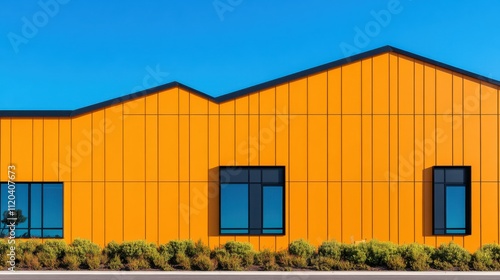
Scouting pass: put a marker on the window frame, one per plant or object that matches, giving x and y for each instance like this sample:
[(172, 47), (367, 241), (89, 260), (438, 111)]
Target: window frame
[(29, 228), (281, 183), (468, 199)]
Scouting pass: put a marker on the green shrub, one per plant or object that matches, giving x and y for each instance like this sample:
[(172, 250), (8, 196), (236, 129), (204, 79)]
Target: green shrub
[(26, 254), (330, 249), (136, 249), (200, 249), (85, 252), (59, 247), (202, 262), (136, 264), (229, 262), (146, 254), (93, 262), (343, 265), (450, 256), (218, 252), (417, 257), (487, 258), (323, 263), (266, 259), (243, 250), (51, 253), (299, 262), (71, 262), (301, 248), (354, 253), (27, 247), (112, 249), (183, 261), (161, 262), (175, 247), (48, 259), (396, 262), (4, 247), (284, 260), (115, 263), (238, 248), (378, 253), (30, 261)]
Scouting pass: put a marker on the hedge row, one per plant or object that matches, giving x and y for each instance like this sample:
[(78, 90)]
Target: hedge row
[(187, 255)]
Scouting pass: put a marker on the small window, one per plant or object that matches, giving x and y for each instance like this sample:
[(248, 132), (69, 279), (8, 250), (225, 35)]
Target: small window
[(38, 208), (252, 200), (452, 200)]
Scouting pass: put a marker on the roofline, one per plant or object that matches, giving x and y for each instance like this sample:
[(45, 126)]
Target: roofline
[(245, 91)]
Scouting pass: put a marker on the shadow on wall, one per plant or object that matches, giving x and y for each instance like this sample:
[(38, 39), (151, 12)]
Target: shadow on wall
[(427, 201), (213, 201)]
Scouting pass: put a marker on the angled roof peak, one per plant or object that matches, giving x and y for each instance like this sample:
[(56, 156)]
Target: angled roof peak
[(248, 90)]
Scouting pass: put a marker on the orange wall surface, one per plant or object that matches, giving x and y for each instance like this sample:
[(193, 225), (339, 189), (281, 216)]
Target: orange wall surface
[(358, 143)]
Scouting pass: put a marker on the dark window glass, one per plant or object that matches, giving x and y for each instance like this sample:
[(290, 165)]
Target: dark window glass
[(252, 200), (273, 207), (52, 205), (455, 209), (38, 209), (452, 200), (234, 207)]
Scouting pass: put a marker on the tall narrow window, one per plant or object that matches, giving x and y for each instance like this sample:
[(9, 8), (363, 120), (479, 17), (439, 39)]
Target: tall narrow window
[(452, 200), (37, 208), (252, 200)]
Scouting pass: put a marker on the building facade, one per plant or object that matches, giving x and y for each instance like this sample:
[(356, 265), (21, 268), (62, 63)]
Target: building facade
[(383, 145)]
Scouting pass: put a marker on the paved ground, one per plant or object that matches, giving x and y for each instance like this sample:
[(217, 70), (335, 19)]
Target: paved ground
[(46, 275)]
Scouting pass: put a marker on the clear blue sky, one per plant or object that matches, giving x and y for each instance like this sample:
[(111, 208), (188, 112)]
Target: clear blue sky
[(78, 52)]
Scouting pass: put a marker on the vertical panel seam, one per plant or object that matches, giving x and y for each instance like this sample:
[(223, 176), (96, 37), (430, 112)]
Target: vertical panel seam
[(463, 139), (435, 128), (71, 178), (480, 165), (123, 170), (371, 135), (275, 156), (178, 164), (145, 172), (189, 164), (104, 175), (92, 181), (361, 142), (423, 151), (389, 137), (327, 161), (307, 158), (288, 162), (414, 162), (158, 168), (452, 130), (341, 154), (399, 150)]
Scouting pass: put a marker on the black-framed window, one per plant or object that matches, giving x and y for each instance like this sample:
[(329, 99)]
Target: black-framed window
[(38, 209), (451, 200), (252, 200)]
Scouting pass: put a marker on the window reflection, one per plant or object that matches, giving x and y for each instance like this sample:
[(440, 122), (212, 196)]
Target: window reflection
[(38, 209)]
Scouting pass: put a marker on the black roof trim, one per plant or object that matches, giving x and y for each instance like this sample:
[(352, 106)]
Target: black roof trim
[(248, 90)]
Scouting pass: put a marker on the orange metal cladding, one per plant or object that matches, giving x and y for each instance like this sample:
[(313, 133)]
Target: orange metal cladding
[(357, 141)]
